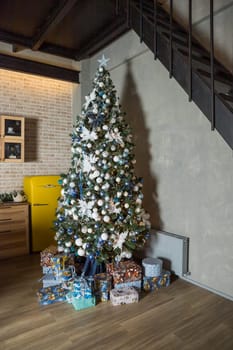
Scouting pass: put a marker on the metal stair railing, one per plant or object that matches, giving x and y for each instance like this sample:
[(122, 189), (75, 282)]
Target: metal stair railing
[(207, 82)]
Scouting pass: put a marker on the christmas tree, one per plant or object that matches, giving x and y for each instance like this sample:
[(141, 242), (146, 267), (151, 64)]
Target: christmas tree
[(100, 214)]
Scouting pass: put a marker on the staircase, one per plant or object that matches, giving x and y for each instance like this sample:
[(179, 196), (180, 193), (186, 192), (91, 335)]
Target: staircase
[(207, 82)]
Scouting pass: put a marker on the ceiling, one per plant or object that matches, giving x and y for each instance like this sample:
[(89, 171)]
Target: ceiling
[(73, 29)]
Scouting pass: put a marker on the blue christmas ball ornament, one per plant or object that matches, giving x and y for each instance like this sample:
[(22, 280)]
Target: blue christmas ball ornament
[(56, 223), (61, 218), (147, 235), (69, 230), (120, 217), (96, 225)]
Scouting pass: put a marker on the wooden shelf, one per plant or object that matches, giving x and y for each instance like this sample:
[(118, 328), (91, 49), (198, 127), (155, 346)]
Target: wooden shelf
[(12, 139)]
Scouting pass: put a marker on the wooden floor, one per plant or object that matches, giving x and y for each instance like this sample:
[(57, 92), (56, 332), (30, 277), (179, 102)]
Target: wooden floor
[(181, 316)]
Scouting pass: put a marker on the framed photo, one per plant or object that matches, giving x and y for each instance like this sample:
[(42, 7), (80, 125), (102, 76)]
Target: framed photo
[(13, 150), (13, 127)]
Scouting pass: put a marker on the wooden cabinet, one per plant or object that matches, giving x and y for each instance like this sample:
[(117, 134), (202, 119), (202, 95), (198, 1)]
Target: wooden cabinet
[(12, 139), (14, 229)]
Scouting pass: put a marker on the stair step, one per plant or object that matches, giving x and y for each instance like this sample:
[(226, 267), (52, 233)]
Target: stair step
[(219, 76), (227, 97)]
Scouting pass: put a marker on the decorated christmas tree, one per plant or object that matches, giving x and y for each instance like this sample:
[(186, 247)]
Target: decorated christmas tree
[(100, 214)]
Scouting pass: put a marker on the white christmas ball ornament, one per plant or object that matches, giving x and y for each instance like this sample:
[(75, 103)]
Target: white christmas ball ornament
[(125, 193), (60, 249), (101, 84), (104, 236), (116, 159), (89, 230), (105, 154), (107, 101), (68, 244), (137, 210), (105, 127), (100, 202), (106, 218), (128, 255), (89, 145), (101, 69), (97, 152), (96, 188), (116, 129), (106, 186), (96, 173), (99, 180), (126, 205), (84, 245), (118, 179), (72, 184), (88, 193), (119, 194), (84, 229), (79, 242), (136, 188), (81, 252), (64, 181)]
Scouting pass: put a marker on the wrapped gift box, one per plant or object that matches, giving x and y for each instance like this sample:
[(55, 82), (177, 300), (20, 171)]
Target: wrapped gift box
[(83, 287), (126, 295), (82, 295), (152, 267), (46, 255), (124, 271), (80, 303), (51, 295), (135, 284), (153, 283), (50, 280), (102, 285)]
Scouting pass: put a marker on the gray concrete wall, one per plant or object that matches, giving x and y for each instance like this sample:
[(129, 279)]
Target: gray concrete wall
[(187, 169)]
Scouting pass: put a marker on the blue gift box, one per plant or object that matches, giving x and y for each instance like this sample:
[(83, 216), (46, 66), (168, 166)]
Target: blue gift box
[(135, 284), (83, 287), (153, 283), (51, 295)]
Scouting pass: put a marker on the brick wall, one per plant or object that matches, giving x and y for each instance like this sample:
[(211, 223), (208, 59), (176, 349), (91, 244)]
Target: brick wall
[(46, 105)]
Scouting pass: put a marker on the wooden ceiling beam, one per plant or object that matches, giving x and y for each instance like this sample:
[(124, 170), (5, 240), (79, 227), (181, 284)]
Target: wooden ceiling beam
[(54, 18), (16, 39), (32, 67)]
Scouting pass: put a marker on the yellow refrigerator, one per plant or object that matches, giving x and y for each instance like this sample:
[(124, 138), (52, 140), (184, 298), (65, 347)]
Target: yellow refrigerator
[(42, 194)]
